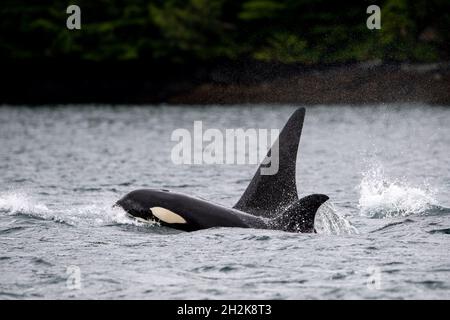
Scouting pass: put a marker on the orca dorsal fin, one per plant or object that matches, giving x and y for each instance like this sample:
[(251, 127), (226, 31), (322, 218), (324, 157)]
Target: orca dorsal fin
[(266, 194)]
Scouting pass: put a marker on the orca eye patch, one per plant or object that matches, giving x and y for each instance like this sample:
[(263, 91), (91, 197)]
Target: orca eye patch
[(167, 216)]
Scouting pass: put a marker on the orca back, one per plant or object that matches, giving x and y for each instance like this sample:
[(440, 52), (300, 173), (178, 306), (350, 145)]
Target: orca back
[(300, 215)]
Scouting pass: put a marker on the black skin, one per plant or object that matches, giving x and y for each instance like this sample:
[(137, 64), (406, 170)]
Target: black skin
[(269, 202), (299, 216), (200, 214)]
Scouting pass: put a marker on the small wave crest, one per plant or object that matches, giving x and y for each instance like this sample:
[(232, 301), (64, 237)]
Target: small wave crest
[(16, 203), (21, 204), (383, 197), (329, 221)]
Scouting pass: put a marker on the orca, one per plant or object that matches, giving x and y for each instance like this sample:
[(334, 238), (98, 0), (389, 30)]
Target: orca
[(269, 202)]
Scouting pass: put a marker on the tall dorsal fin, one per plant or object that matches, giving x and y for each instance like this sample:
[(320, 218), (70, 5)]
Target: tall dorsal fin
[(268, 193)]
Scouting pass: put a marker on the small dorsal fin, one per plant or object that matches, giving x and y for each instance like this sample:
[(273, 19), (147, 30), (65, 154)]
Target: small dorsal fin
[(266, 194)]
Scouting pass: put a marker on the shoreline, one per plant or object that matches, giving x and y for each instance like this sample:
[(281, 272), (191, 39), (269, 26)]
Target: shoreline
[(226, 84), (354, 84)]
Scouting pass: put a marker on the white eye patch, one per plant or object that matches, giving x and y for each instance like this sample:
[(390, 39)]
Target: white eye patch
[(167, 216)]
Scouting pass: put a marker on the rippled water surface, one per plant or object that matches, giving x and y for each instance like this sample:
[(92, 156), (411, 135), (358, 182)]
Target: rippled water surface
[(385, 235)]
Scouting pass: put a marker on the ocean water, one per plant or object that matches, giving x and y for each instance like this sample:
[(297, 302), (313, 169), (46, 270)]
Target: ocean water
[(384, 235)]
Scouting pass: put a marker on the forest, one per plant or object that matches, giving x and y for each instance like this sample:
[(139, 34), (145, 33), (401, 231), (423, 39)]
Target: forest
[(305, 32)]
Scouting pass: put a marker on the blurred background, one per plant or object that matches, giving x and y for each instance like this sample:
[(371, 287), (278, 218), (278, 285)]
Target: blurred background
[(224, 51)]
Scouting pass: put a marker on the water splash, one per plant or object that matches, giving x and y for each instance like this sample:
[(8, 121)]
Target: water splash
[(21, 204), (329, 221), (383, 197)]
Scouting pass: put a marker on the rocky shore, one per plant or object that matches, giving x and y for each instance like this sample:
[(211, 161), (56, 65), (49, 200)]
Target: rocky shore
[(352, 84), (359, 83)]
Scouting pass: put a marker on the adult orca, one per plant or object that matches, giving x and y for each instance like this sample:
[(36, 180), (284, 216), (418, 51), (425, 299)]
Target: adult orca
[(269, 202)]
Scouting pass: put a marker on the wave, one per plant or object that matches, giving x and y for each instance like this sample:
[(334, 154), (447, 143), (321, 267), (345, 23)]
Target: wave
[(442, 231), (391, 225), (18, 203), (383, 197)]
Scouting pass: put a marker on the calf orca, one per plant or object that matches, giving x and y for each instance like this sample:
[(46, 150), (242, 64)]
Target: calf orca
[(269, 202)]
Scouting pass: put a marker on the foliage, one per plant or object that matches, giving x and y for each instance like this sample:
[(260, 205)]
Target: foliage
[(197, 31)]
